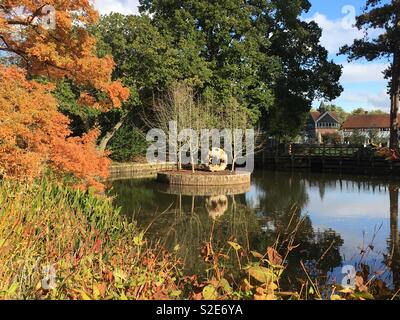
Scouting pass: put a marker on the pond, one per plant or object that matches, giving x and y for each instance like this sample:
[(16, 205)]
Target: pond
[(327, 220)]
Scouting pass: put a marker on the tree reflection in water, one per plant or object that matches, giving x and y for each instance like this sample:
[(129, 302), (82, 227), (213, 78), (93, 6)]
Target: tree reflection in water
[(393, 257), (188, 221), (284, 222), (185, 218)]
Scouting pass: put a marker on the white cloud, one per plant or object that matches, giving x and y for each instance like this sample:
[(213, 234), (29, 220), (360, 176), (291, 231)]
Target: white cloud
[(335, 33), (352, 204), (366, 99), (357, 72), (339, 32), (120, 6), (380, 100), (364, 84)]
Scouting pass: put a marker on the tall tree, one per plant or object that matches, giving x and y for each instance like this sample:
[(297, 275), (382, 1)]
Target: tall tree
[(260, 52), (382, 15), (223, 35), (146, 61), (145, 57), (306, 73), (34, 136), (34, 130), (65, 51)]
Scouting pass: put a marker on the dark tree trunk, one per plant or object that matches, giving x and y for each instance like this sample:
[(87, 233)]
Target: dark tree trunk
[(107, 137), (394, 140), (395, 90)]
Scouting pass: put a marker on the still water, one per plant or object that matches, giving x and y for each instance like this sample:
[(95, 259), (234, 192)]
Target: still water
[(328, 220)]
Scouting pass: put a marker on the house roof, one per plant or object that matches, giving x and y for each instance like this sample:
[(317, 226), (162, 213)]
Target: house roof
[(368, 121), (316, 115), (333, 115)]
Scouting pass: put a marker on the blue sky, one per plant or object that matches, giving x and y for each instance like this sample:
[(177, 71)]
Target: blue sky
[(363, 81)]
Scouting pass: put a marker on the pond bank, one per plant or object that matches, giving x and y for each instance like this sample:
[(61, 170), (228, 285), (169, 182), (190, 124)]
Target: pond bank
[(133, 170), (200, 178)]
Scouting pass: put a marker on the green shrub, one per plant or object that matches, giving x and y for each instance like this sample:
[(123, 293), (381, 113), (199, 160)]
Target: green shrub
[(127, 144), (331, 138)]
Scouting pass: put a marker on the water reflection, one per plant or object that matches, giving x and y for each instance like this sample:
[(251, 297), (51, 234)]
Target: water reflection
[(216, 206), (325, 220), (393, 257)]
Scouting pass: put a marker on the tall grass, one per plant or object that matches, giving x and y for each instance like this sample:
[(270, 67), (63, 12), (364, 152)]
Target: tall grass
[(61, 243)]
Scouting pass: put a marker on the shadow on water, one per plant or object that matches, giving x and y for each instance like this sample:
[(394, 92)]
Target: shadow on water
[(392, 259), (326, 221)]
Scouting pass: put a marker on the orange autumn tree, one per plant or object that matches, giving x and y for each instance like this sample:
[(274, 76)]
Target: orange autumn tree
[(33, 133), (63, 50)]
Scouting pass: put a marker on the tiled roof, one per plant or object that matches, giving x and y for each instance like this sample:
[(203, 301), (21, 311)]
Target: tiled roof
[(333, 115), (315, 115), (368, 121)]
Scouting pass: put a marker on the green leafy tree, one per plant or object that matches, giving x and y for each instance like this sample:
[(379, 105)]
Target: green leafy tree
[(127, 144), (259, 52), (360, 111), (82, 119), (231, 45), (147, 61), (307, 73), (146, 58), (383, 15)]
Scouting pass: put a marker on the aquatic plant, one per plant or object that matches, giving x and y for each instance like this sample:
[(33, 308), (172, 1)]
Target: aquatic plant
[(61, 243)]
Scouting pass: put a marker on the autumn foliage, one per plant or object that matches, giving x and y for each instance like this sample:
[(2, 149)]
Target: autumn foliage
[(68, 50), (33, 134)]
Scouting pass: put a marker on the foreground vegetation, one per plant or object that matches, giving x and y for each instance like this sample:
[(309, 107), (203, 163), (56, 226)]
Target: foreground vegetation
[(94, 252), (61, 243)]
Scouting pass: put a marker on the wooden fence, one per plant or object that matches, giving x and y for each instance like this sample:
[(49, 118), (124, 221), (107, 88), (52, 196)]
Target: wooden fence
[(347, 158)]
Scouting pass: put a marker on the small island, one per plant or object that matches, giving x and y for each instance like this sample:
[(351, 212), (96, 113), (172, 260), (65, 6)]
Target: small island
[(204, 178), (213, 173)]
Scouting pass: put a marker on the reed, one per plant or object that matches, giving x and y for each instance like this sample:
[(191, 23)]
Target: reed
[(60, 243)]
